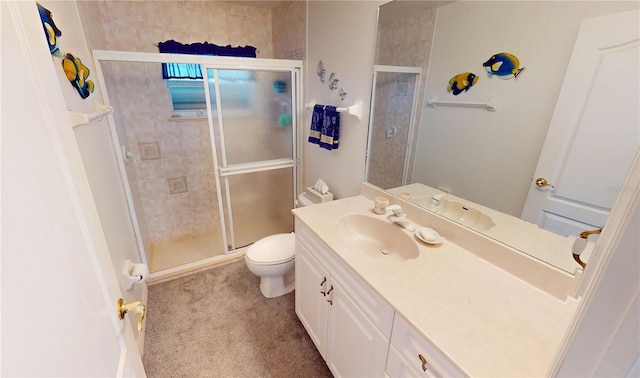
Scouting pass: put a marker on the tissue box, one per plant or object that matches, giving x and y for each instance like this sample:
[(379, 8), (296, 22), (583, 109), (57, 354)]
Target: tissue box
[(317, 197)]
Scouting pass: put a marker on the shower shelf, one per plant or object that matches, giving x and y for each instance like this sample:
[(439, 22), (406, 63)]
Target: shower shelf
[(354, 110), (84, 118), (490, 105)]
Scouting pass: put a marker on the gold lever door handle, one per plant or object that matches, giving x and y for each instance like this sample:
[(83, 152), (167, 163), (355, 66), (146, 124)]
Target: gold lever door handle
[(134, 307), (542, 182)]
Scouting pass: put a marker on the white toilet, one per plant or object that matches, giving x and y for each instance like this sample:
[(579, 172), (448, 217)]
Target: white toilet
[(272, 259)]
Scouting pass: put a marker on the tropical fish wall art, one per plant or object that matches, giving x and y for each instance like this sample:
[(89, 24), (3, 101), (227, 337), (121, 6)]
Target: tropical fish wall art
[(51, 31), (503, 65), (462, 82), (77, 74)]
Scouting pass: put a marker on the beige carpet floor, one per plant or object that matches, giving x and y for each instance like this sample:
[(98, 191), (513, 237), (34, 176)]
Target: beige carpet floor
[(215, 323)]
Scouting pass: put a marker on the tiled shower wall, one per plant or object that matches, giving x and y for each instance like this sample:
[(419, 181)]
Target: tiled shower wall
[(395, 49), (171, 172), (289, 28)]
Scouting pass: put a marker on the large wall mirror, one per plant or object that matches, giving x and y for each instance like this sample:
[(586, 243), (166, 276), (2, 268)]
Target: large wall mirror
[(475, 157)]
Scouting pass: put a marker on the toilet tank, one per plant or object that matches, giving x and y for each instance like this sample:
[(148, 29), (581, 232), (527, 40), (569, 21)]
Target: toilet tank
[(303, 200)]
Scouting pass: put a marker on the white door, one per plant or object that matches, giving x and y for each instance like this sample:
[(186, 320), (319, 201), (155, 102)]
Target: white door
[(594, 133), (59, 288), (100, 157)]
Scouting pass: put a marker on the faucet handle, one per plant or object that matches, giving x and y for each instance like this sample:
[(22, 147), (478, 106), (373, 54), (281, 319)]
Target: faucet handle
[(397, 209)]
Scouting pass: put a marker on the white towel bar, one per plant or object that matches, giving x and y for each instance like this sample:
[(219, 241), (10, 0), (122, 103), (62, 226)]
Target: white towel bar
[(354, 110), (83, 118), (490, 105)]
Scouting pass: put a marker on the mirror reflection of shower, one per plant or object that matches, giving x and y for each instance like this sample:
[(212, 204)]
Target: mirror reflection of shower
[(391, 125)]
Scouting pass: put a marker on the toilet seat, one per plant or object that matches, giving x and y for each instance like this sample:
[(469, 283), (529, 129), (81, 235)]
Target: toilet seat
[(272, 250)]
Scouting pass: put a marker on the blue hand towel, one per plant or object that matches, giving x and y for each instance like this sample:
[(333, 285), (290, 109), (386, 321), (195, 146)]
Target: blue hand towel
[(330, 137), (316, 124)]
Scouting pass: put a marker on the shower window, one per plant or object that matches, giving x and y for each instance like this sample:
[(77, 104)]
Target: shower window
[(188, 95)]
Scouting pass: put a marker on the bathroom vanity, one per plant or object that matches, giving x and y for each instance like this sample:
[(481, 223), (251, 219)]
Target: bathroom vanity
[(469, 306)]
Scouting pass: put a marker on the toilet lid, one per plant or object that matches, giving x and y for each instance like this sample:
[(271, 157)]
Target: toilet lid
[(274, 249)]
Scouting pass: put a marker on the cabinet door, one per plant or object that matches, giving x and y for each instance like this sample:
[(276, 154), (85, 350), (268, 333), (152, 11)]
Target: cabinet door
[(355, 347), (311, 305)]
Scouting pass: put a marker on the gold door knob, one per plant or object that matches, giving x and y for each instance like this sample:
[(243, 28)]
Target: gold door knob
[(134, 307), (542, 182)]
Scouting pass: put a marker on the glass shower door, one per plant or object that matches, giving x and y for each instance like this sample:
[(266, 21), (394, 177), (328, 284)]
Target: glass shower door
[(253, 124)]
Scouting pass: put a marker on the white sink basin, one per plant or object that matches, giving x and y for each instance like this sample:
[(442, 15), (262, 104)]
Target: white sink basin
[(377, 238), (457, 211), (465, 215)]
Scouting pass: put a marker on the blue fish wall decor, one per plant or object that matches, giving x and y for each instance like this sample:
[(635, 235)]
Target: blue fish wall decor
[(77, 74), (503, 65), (462, 82), (51, 31)]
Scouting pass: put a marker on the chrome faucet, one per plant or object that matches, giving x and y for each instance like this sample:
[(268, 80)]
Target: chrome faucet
[(398, 217), (435, 202)]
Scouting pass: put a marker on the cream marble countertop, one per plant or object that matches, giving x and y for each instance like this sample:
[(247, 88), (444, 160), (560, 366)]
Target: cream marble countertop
[(485, 319)]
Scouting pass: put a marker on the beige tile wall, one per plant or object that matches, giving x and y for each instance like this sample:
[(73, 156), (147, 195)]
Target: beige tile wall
[(172, 172), (289, 29), (140, 25)]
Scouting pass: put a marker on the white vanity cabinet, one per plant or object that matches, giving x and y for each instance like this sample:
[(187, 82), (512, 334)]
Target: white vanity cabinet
[(349, 323), (412, 355)]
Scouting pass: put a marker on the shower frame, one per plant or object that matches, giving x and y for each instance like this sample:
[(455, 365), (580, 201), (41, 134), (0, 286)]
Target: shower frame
[(214, 62)]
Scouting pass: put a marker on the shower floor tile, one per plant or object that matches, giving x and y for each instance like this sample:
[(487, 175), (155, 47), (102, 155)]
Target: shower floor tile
[(184, 252)]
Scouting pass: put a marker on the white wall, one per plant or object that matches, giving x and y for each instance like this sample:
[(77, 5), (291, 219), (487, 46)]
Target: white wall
[(343, 35), (486, 157)]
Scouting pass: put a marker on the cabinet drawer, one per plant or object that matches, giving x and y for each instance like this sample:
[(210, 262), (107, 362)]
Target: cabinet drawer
[(410, 347), (375, 308), (399, 366)]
